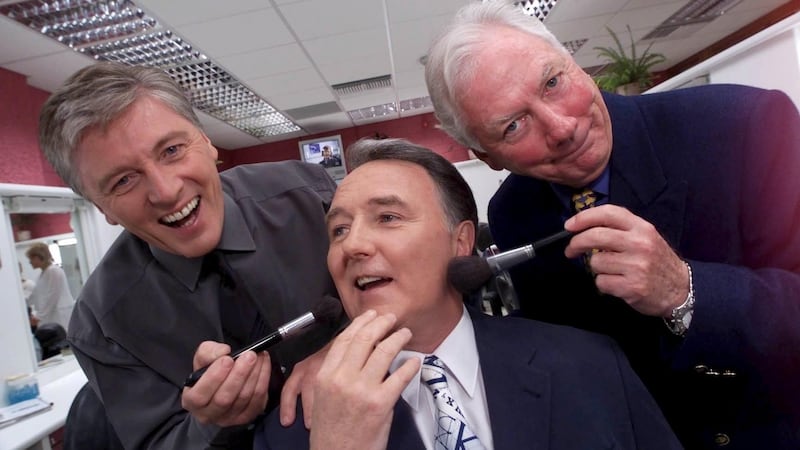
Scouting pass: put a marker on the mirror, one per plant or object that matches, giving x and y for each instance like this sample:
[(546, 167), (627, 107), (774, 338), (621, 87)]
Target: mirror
[(77, 236), (56, 231)]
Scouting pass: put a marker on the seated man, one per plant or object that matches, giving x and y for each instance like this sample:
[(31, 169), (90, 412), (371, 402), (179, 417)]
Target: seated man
[(486, 382)]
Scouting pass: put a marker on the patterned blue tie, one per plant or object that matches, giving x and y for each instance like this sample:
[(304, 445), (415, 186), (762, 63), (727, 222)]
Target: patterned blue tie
[(452, 431)]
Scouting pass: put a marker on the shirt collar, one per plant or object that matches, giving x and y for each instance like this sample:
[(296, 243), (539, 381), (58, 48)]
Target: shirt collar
[(458, 352), (599, 186), (235, 236)]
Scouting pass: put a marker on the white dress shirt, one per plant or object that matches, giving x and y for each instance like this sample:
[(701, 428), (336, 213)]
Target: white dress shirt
[(459, 354)]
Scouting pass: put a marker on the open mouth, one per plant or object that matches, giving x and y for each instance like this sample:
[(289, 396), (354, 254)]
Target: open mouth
[(364, 283), (182, 217)]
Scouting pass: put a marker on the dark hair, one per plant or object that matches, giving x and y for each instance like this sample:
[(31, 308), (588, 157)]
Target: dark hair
[(455, 194)]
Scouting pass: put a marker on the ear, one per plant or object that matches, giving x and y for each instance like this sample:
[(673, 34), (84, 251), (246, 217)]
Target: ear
[(109, 220), (483, 156), (214, 152), (464, 238)]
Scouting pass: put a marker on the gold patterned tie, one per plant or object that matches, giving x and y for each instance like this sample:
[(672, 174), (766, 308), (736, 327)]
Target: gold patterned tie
[(585, 199)]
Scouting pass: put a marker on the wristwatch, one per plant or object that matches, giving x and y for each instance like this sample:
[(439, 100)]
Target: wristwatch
[(678, 322)]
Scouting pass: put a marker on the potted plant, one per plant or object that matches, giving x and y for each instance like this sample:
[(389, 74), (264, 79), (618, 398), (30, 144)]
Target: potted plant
[(626, 74)]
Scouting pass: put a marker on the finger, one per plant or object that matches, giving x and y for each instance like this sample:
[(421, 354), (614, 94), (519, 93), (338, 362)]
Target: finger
[(364, 341), (208, 352), (342, 342), (308, 407), (398, 380), (245, 396), (385, 352), (254, 395), (205, 388), (289, 394), (228, 392), (197, 399), (610, 216)]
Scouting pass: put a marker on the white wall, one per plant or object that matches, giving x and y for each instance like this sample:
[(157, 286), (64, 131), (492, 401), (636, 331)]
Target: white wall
[(769, 59), (483, 180), (773, 64)]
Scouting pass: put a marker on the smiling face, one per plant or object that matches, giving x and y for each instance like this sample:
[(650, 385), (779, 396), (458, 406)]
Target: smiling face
[(153, 172), (390, 246), (535, 111)]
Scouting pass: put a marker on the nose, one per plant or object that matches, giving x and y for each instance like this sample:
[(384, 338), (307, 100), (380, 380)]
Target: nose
[(163, 187), (558, 128), (358, 244)]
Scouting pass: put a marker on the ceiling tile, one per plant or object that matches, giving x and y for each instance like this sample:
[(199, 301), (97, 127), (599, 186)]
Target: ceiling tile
[(184, 12), (298, 99), (20, 42), (49, 72), (317, 18), (327, 122), (264, 62), (287, 83), (237, 34), (581, 9)]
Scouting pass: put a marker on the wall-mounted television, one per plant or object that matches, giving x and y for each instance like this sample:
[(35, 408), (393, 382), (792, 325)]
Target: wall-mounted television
[(326, 151)]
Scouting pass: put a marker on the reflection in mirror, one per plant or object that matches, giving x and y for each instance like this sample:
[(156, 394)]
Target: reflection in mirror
[(47, 250)]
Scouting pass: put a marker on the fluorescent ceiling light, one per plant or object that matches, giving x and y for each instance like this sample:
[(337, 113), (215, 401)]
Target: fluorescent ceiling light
[(117, 30)]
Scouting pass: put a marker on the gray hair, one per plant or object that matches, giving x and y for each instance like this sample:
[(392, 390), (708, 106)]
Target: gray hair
[(455, 194), (93, 97), (450, 59)]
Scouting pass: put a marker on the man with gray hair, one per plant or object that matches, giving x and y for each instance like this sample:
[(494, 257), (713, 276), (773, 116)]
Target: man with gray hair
[(685, 210), (207, 263)]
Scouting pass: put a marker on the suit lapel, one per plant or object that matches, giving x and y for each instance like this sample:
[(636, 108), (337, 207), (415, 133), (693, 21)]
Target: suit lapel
[(638, 181), (517, 394), (404, 434)]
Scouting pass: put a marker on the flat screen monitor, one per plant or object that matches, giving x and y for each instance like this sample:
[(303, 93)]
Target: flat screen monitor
[(326, 151)]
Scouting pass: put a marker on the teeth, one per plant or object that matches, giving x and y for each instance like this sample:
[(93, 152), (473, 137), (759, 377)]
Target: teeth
[(176, 216), (363, 281)]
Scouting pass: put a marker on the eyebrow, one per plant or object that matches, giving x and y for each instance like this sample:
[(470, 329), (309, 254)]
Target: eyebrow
[(103, 183), (497, 122), (387, 200)]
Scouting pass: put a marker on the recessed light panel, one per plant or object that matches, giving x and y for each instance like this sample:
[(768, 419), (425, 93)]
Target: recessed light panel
[(118, 30)]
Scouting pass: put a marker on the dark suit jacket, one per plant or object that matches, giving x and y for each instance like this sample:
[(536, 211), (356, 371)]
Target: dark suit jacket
[(547, 387), (716, 170)]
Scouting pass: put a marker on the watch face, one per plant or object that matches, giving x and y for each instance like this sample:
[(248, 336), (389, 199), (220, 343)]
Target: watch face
[(686, 320)]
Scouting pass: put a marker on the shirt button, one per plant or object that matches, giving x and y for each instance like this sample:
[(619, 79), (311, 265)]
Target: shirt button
[(722, 439)]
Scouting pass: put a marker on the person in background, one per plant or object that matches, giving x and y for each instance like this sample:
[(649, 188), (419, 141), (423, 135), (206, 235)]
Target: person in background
[(207, 263), (27, 285), (50, 298), (395, 222), (329, 159), (690, 257)]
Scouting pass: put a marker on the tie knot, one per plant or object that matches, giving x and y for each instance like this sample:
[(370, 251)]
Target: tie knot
[(433, 370), (584, 199)]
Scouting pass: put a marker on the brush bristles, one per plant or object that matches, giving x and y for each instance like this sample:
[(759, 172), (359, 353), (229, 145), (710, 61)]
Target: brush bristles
[(328, 310), (468, 273)]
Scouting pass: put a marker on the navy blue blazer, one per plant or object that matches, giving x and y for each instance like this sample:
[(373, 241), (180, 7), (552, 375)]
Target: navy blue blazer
[(716, 169), (547, 387)]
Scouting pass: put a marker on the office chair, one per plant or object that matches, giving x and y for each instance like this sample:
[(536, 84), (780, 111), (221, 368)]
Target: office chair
[(87, 426), (52, 338)]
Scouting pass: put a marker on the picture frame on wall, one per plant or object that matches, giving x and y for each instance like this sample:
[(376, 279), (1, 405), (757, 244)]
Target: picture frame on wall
[(326, 151)]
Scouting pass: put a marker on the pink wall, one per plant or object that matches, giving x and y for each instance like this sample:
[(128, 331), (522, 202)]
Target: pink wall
[(419, 129), (22, 161)]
